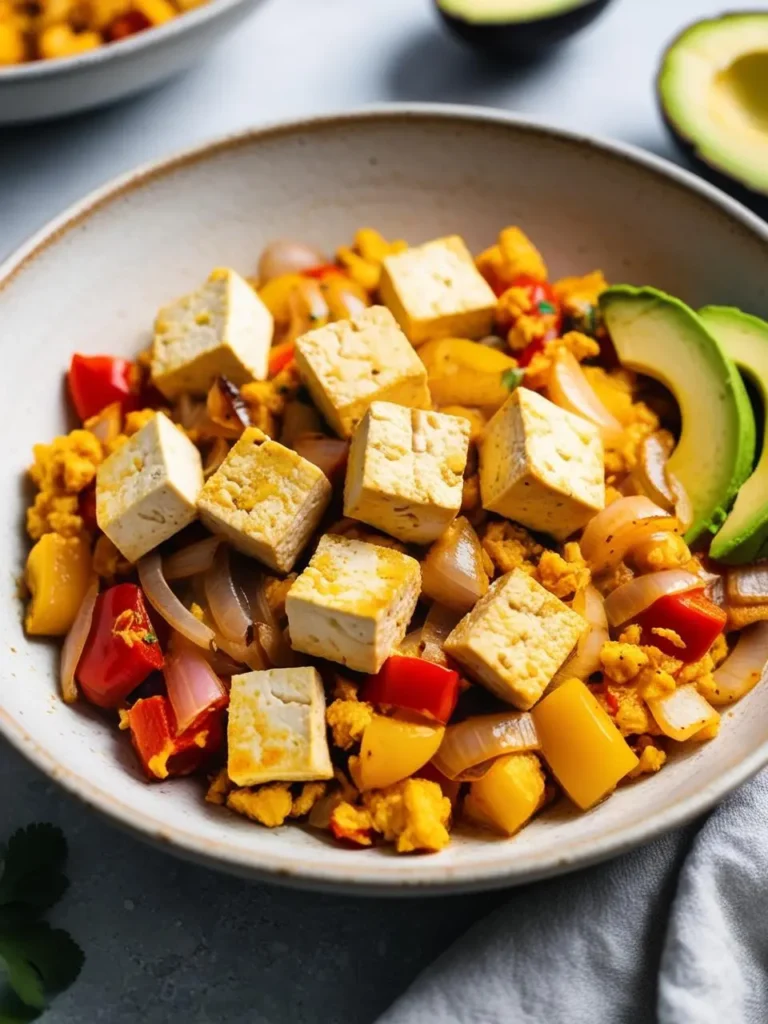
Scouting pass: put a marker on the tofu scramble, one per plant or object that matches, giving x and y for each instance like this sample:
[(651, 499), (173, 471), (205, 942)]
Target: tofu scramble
[(52, 29), (395, 541)]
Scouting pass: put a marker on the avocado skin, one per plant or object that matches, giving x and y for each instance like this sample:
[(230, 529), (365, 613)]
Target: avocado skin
[(711, 519), (744, 535), (522, 38)]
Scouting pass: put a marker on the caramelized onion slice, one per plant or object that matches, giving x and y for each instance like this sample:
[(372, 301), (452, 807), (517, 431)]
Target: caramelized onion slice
[(225, 602), (286, 257), (452, 572), (612, 533), (630, 599), (743, 669), (569, 388), (193, 687), (327, 453), (75, 641), (747, 585), (482, 738), (226, 409), (191, 560), (586, 657), (167, 605)]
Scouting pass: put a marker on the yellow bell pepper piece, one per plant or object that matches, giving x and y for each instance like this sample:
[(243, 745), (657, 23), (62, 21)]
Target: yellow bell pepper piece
[(684, 713), (508, 795), (462, 372), (394, 748), (275, 295), (57, 575), (586, 752)]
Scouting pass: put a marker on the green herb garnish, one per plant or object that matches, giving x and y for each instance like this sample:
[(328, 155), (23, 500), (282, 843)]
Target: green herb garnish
[(512, 378), (150, 638), (546, 307), (36, 961)]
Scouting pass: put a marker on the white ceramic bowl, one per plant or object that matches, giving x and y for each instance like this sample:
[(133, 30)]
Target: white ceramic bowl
[(92, 281), (51, 88)]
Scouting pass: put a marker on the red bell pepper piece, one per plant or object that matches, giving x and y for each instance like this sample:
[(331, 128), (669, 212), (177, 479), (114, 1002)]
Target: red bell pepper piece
[(322, 270), (97, 381), (162, 753), (122, 647), (415, 685), (280, 356), (696, 620)]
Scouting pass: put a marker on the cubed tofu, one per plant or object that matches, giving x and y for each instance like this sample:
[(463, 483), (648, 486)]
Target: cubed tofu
[(515, 638), (348, 364), (541, 466), (222, 329), (265, 499), (277, 727), (436, 291), (147, 490), (353, 602), (405, 471)]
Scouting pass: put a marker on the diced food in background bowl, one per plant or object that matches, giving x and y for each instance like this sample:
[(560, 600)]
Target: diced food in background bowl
[(524, 596)]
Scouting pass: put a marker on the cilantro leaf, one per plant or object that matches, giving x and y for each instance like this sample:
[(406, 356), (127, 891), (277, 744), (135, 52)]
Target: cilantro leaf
[(512, 378), (546, 307), (32, 867), (39, 961)]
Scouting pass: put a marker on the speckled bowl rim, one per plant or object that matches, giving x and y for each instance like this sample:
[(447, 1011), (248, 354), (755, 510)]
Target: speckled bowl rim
[(424, 875), (147, 40)]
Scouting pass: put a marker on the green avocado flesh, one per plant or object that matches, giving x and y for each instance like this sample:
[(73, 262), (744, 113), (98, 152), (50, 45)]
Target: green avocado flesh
[(504, 11), (713, 88), (744, 535), (661, 337)]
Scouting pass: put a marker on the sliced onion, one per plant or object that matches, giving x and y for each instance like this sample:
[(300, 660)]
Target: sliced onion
[(482, 738), (437, 625), (630, 599), (569, 388), (189, 412), (743, 668), (747, 585), (650, 472), (226, 409), (586, 658), (683, 505), (191, 560), (193, 687), (285, 257), (612, 533), (75, 641), (327, 453), (254, 587), (107, 424), (682, 713), (166, 604), (275, 646), (216, 454), (452, 572), (251, 654), (225, 602)]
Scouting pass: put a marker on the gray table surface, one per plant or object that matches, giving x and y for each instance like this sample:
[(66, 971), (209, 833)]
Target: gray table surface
[(166, 941)]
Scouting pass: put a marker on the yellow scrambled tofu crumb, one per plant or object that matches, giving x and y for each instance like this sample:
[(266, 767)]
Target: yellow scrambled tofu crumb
[(511, 547), (352, 823), (696, 671), (622, 662), (107, 560), (270, 805), (669, 634), (54, 513), (581, 347), (578, 294), (60, 471), (265, 400), (344, 688), (627, 709), (277, 591), (718, 652), (197, 611), (652, 758), (563, 575), (513, 255), (362, 261), (348, 720), (134, 421), (219, 788), (414, 814), (631, 634), (666, 552), (310, 793)]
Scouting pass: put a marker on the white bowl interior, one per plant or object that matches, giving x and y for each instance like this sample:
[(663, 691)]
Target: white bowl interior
[(93, 285)]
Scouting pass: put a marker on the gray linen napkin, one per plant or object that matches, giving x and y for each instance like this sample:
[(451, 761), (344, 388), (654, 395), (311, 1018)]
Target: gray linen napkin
[(675, 933)]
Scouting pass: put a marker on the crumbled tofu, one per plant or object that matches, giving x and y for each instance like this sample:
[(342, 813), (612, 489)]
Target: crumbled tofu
[(265, 499), (541, 466), (353, 602), (147, 490), (413, 813), (436, 291), (405, 471), (516, 638), (348, 364), (221, 329), (277, 727)]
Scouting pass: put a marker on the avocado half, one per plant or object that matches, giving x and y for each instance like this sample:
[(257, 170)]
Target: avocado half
[(660, 336), (504, 28), (744, 535), (712, 87)]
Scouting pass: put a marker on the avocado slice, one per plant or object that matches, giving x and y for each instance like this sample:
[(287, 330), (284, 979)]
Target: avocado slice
[(519, 28), (661, 337), (743, 537), (713, 91)]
